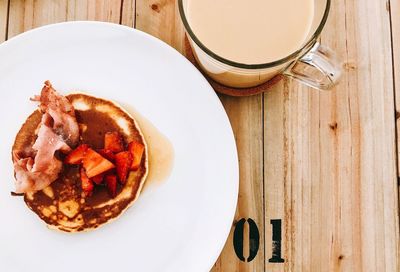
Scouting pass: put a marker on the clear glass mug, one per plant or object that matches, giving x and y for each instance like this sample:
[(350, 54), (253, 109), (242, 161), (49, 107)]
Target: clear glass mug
[(313, 64)]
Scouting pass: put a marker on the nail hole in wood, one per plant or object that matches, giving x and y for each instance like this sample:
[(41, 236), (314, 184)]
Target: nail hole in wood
[(155, 7), (333, 126)]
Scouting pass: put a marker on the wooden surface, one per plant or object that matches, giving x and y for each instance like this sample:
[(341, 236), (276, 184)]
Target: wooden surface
[(324, 163)]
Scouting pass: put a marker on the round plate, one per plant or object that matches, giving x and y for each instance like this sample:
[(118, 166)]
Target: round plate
[(180, 225)]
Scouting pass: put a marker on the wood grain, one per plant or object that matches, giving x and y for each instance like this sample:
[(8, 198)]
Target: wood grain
[(95, 10), (161, 19), (128, 15), (394, 7), (28, 14), (25, 15), (330, 157), (366, 151), (246, 117), (3, 19)]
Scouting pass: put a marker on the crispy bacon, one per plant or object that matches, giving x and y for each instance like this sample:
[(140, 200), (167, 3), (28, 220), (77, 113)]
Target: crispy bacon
[(58, 130)]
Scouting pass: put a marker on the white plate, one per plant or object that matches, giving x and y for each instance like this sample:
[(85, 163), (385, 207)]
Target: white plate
[(180, 225)]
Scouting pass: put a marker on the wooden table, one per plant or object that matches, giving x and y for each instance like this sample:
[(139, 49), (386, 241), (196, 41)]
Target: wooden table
[(324, 165)]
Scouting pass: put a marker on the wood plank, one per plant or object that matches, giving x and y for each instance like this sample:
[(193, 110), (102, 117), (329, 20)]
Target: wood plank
[(330, 157), (95, 10), (3, 19), (161, 19), (394, 8), (370, 134), (128, 13), (28, 14), (246, 117)]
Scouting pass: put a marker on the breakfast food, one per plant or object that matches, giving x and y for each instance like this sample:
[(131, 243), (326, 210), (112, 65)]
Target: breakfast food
[(79, 160)]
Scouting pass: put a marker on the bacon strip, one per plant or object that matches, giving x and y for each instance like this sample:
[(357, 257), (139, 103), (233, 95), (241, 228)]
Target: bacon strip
[(61, 111), (27, 180), (58, 130), (47, 143)]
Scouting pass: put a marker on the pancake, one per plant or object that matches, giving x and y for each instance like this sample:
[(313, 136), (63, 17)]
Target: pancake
[(63, 205)]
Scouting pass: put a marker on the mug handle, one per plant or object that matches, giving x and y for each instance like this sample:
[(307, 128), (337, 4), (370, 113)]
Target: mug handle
[(319, 68)]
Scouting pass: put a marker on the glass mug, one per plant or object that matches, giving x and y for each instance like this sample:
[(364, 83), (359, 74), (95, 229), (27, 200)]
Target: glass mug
[(312, 64)]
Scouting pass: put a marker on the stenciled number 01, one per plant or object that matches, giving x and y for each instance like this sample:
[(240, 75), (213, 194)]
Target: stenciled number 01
[(254, 240)]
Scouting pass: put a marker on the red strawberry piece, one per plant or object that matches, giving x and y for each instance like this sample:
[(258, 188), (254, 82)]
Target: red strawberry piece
[(98, 179), (108, 154), (111, 182), (76, 155), (86, 183), (113, 141), (123, 161), (137, 150), (95, 164)]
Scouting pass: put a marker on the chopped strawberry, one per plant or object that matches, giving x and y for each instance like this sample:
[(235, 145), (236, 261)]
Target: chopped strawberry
[(113, 141), (86, 183), (108, 154), (111, 182), (98, 179), (123, 161), (95, 164), (136, 149), (76, 155)]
